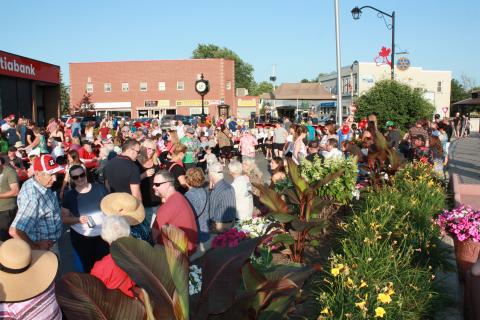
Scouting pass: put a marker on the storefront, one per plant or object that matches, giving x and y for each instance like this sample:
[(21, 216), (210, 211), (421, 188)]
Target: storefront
[(246, 106), (29, 88)]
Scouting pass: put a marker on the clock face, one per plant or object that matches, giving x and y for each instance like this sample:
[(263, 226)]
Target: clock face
[(201, 86)]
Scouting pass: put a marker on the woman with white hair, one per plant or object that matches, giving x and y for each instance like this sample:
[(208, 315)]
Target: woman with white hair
[(243, 191), (113, 228)]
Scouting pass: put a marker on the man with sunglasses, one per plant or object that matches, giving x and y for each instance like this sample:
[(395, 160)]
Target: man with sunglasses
[(38, 220), (175, 210), (121, 172)]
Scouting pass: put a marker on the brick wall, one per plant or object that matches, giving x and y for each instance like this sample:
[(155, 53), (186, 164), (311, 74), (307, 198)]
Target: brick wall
[(217, 71)]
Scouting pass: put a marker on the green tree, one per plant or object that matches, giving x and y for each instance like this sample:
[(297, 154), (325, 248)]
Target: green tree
[(395, 101), (243, 70), (262, 87), (64, 97), (457, 92)]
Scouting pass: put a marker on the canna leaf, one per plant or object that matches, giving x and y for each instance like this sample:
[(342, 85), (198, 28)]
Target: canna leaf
[(272, 199), (282, 217), (82, 296), (298, 181), (284, 238)]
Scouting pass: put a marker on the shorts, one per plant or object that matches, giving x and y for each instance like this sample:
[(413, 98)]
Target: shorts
[(278, 146), (225, 152)]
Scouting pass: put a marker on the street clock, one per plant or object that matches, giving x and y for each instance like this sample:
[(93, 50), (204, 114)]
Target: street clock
[(202, 86)]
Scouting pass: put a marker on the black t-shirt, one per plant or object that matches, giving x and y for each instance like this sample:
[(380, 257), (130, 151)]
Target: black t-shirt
[(149, 198), (121, 172), (29, 132), (177, 170)]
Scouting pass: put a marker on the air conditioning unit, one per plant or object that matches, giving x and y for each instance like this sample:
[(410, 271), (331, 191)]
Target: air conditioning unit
[(241, 92)]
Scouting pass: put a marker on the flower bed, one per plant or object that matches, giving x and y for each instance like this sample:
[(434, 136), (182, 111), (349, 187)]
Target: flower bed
[(388, 252)]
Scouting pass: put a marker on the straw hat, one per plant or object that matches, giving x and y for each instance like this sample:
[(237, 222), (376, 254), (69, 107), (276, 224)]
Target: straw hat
[(125, 205), (24, 273)]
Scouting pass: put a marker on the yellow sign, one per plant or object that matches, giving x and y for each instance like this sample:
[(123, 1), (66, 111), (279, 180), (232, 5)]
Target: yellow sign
[(164, 103), (247, 103), (191, 103)]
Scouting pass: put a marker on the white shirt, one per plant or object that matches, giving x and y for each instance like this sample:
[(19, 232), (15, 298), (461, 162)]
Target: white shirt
[(332, 154), (181, 131), (243, 197)]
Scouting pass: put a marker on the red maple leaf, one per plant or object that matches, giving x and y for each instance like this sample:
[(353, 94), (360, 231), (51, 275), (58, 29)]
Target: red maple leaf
[(385, 52)]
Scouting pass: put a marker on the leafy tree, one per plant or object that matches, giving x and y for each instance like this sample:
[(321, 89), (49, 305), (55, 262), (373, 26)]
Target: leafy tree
[(64, 97), (243, 70), (457, 92), (394, 101), (262, 87)]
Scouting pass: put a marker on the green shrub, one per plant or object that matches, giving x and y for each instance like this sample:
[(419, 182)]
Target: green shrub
[(341, 189)]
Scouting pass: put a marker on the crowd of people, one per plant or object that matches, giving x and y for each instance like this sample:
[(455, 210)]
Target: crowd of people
[(130, 179)]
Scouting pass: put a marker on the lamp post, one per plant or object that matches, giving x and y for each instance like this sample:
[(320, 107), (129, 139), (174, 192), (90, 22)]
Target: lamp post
[(202, 87), (339, 67), (357, 12), (352, 87)]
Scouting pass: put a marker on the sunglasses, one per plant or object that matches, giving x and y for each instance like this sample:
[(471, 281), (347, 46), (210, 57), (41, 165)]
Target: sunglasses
[(158, 184), (82, 175)]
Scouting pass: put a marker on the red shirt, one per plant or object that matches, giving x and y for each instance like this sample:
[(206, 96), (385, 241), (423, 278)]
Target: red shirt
[(86, 155), (104, 132), (112, 276), (177, 212)]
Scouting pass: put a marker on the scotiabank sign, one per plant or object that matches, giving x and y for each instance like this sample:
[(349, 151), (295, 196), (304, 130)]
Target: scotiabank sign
[(20, 67)]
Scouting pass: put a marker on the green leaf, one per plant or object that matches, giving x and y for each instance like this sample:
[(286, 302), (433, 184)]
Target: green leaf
[(147, 267), (253, 281), (298, 181), (277, 308), (327, 179), (292, 196), (282, 217), (284, 238), (175, 243), (317, 230), (82, 296), (272, 199), (221, 277)]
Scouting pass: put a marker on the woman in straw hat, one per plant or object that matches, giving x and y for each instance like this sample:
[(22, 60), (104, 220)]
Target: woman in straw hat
[(113, 228), (26, 278), (125, 205)]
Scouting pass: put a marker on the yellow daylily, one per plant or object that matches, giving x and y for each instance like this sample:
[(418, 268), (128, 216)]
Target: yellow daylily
[(384, 298), (335, 271), (363, 284), (326, 311), (350, 283), (361, 305), (390, 292), (379, 312)]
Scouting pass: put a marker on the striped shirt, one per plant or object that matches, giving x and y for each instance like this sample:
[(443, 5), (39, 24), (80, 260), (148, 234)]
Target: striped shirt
[(38, 212), (42, 307), (222, 202)]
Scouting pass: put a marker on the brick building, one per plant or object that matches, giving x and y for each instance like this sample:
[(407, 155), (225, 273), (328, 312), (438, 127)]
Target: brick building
[(150, 88)]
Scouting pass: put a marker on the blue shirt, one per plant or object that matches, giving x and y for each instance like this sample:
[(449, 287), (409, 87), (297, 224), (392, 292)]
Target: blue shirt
[(38, 212), (222, 203), (198, 199)]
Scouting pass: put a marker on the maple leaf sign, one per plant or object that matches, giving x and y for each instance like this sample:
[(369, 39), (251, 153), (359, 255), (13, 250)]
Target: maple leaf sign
[(385, 52)]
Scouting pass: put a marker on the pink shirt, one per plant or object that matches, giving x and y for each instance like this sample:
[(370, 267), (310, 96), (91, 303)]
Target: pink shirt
[(248, 144)]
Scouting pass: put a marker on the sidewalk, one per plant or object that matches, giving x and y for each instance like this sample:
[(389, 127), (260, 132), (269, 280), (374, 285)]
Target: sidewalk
[(464, 170)]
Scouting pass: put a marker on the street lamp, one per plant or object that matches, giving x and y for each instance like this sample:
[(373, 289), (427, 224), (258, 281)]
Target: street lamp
[(357, 12), (202, 87), (352, 87)]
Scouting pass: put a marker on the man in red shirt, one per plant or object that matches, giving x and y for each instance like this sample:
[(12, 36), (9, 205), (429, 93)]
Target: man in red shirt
[(175, 210), (104, 131)]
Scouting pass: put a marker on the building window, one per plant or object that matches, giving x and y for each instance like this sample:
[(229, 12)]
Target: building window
[(161, 86), (439, 86), (228, 85), (107, 87), (180, 85), (125, 87), (143, 86), (89, 88)]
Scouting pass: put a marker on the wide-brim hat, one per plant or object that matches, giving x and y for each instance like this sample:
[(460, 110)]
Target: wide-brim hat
[(125, 205), (24, 273), (18, 144)]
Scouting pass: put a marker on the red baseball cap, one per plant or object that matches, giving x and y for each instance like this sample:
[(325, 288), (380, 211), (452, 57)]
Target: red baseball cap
[(45, 163), (345, 129)]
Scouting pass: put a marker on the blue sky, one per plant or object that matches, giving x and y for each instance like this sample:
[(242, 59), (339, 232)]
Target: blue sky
[(297, 36)]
